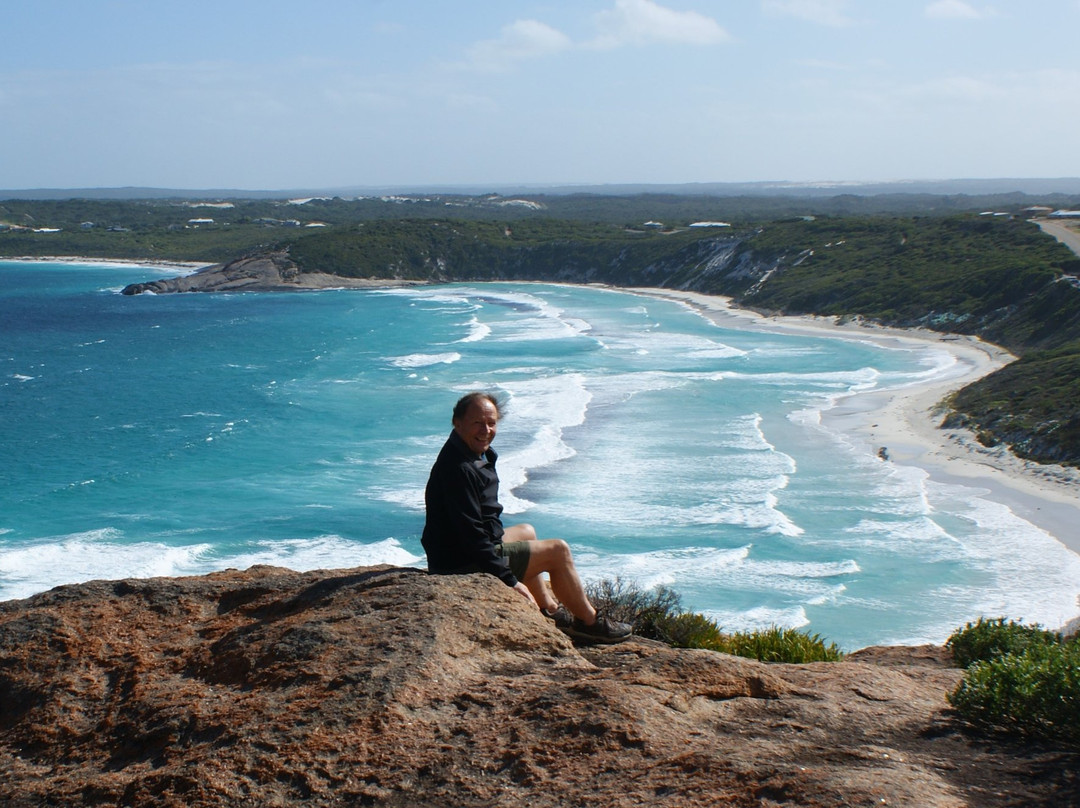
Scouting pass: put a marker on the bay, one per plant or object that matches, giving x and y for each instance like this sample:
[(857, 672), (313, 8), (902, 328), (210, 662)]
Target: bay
[(178, 434)]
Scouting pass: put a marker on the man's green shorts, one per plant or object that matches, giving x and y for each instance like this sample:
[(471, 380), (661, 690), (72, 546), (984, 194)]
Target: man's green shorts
[(517, 553)]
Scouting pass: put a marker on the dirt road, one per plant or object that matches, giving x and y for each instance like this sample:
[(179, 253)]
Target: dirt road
[(1068, 236)]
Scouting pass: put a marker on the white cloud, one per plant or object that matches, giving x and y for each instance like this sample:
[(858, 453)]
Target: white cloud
[(628, 22), (518, 41), (636, 22), (952, 10), (823, 12)]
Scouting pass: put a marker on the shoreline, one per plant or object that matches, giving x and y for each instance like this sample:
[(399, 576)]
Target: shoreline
[(903, 420), (162, 264)]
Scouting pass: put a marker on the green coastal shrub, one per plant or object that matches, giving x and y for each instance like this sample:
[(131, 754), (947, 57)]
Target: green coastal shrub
[(657, 614), (782, 645), (693, 630), (1035, 693), (988, 639), (1021, 679)]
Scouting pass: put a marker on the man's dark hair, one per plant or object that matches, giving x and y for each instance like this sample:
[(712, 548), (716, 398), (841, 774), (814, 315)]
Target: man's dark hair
[(467, 400)]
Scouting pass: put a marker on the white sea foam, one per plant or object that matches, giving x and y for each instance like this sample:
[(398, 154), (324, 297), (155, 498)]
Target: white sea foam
[(851, 380), (87, 556), (686, 347), (624, 386), (456, 297), (1036, 578), (537, 413), (763, 515), (477, 331), (322, 552), (411, 498), (672, 567), (785, 351), (532, 317), (102, 554), (731, 479), (759, 618), (535, 318), (422, 360), (920, 537)]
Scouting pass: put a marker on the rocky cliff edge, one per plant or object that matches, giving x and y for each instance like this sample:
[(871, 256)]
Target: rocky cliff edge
[(266, 272), (386, 686)]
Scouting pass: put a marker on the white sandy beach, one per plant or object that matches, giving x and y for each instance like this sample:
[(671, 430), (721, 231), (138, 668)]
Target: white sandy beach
[(905, 422), (183, 267)]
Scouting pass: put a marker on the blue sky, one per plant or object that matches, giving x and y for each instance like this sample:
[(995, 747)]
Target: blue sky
[(335, 93)]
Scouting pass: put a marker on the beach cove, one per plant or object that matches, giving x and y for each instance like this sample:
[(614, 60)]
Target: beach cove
[(280, 415)]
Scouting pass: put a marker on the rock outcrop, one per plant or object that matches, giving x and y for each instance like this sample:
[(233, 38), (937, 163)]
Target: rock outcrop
[(386, 686), (265, 272)]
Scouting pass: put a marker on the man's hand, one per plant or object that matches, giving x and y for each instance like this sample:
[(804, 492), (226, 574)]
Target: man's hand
[(523, 590)]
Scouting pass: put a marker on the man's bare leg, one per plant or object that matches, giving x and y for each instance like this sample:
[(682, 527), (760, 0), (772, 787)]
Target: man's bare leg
[(553, 556), (537, 584)]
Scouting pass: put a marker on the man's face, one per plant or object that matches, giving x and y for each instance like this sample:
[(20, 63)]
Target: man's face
[(477, 426)]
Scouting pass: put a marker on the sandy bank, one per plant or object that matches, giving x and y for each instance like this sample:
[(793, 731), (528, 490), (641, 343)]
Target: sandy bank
[(164, 265), (905, 421)]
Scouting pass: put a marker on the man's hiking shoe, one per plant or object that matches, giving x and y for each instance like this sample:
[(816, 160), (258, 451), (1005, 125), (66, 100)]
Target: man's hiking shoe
[(604, 630), (561, 617)]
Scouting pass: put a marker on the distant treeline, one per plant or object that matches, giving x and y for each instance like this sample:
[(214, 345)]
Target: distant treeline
[(954, 267)]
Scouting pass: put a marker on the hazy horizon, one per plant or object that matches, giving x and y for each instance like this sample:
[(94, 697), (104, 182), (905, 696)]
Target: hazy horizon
[(1030, 186), (414, 95)]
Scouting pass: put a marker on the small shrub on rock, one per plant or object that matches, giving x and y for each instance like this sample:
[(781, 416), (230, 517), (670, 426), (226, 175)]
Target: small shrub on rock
[(649, 610), (657, 614)]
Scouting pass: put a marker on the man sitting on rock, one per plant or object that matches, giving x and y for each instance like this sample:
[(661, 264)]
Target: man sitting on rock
[(464, 532)]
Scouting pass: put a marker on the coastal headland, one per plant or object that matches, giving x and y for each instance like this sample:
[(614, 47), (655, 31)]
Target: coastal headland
[(387, 686), (271, 272)]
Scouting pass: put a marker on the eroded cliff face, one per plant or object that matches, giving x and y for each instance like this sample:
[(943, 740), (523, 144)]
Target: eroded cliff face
[(265, 272), (386, 686)]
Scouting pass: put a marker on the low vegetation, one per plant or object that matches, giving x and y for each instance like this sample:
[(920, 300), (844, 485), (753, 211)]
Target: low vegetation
[(657, 614), (1019, 679), (1030, 406)]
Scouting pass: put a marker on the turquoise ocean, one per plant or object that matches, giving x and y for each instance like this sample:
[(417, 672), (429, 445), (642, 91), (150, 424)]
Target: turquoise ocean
[(180, 434)]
